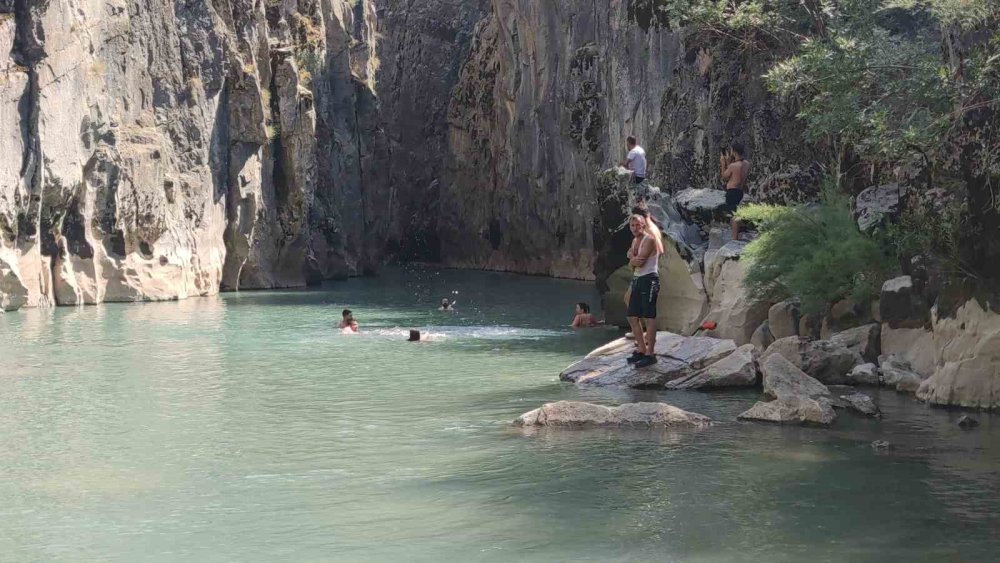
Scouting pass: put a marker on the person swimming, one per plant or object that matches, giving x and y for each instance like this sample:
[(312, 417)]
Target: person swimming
[(583, 318), (347, 323), (446, 306)]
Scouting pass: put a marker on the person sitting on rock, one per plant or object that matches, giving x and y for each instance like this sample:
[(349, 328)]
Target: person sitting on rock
[(734, 170), (644, 291), (446, 306), (635, 160), (347, 323), (583, 318)]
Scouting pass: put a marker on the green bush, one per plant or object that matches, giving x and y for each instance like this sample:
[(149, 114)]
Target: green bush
[(814, 253)]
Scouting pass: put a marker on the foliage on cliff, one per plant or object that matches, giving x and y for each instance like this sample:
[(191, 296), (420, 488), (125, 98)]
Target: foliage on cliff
[(813, 252), (903, 91)]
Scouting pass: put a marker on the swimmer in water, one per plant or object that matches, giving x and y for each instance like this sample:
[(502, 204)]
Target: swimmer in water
[(446, 306), (583, 318), (347, 324)]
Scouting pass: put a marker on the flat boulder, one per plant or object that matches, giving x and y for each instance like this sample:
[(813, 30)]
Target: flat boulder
[(578, 414), (866, 340), (824, 360), (738, 369), (791, 411), (699, 203), (795, 397), (677, 356)]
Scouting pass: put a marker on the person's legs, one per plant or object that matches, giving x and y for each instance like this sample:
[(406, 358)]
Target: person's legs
[(640, 339), (734, 226), (650, 336)]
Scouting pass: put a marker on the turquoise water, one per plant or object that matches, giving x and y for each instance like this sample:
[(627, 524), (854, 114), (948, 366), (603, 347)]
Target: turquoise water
[(245, 427)]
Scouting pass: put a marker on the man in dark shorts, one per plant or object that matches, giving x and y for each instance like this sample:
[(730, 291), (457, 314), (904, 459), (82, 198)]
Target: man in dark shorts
[(644, 259), (734, 170)]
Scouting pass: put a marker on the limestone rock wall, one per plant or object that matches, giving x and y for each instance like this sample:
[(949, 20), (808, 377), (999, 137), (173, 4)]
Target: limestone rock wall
[(546, 98), (159, 149)]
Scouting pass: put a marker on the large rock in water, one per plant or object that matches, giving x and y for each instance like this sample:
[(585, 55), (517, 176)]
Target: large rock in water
[(968, 372), (677, 356), (898, 373), (13, 293), (572, 413), (797, 398), (827, 361), (738, 369)]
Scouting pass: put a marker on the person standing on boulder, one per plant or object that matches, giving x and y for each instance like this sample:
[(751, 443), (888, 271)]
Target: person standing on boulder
[(734, 170), (644, 291), (635, 160)]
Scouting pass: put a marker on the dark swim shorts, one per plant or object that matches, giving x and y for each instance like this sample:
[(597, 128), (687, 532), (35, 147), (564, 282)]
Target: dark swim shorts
[(733, 198), (642, 301)]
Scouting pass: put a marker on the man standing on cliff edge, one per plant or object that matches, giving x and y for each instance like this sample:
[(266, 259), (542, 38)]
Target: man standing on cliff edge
[(635, 160)]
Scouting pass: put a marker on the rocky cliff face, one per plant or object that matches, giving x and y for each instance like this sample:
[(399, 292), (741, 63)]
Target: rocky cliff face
[(546, 99), (160, 149)]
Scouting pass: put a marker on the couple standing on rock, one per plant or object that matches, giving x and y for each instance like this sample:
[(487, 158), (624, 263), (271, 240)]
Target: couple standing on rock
[(644, 257)]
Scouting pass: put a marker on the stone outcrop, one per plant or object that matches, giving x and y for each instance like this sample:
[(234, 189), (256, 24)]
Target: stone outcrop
[(795, 397), (677, 356), (875, 203), (576, 414), (548, 95), (900, 306), (738, 369), (824, 360), (865, 374), (762, 337), (865, 340), (967, 359), (898, 374), (783, 319)]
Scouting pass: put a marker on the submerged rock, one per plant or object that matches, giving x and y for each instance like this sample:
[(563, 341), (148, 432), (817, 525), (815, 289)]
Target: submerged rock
[(881, 446), (573, 413), (677, 356), (967, 422), (797, 398), (827, 361), (738, 369)]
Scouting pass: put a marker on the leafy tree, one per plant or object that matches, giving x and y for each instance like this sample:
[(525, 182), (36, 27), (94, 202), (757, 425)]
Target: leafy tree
[(813, 252)]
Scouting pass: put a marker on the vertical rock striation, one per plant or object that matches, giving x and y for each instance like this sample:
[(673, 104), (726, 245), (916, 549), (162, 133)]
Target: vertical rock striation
[(161, 149), (545, 100)]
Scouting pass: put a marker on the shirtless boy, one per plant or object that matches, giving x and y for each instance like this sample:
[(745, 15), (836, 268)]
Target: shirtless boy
[(734, 170)]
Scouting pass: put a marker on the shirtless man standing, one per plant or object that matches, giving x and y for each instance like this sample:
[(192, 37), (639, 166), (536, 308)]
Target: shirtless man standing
[(734, 170)]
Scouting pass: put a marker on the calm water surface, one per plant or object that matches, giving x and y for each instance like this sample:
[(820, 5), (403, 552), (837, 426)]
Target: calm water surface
[(246, 428)]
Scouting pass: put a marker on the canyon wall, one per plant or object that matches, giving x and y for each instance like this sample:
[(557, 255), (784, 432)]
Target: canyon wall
[(158, 149), (549, 93)]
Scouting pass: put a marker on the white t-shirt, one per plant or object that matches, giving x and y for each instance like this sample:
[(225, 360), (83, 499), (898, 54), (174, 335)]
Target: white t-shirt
[(637, 158)]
